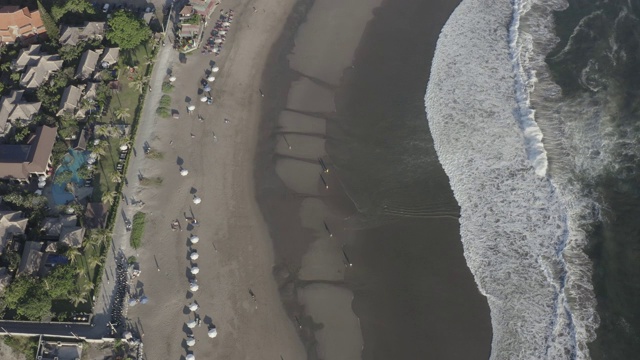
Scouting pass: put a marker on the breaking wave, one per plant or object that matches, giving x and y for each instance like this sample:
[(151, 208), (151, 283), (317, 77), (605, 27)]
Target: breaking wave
[(521, 227)]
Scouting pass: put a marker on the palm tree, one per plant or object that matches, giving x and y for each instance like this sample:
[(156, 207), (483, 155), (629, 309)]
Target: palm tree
[(139, 83), (109, 197), (148, 60), (88, 286), (77, 298), (103, 131), (79, 270), (116, 177), (121, 114), (72, 254), (125, 141), (94, 261), (87, 104), (99, 151)]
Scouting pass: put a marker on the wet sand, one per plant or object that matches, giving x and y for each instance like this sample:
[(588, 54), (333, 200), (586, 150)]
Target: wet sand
[(341, 85)]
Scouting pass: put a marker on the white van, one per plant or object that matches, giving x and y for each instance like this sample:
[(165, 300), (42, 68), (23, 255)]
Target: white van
[(105, 8)]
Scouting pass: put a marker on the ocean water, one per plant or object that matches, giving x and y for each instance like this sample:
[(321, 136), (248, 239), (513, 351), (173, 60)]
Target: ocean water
[(533, 109)]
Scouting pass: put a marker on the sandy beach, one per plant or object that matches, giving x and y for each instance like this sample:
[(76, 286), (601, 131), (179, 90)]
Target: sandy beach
[(235, 250)]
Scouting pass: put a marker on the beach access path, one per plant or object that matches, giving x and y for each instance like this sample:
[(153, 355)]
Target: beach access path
[(236, 254)]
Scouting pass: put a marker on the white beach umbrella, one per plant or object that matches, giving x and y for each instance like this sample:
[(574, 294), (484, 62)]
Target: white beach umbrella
[(226, 23), (191, 107), (190, 357), (38, 192), (184, 172), (96, 141), (213, 332), (203, 99), (195, 270), (132, 302), (172, 79), (207, 88), (194, 286), (69, 210), (197, 200), (217, 41), (42, 184), (42, 178), (191, 324), (215, 69), (223, 32), (194, 255), (194, 239), (127, 335), (211, 78), (191, 341), (123, 147), (193, 306)]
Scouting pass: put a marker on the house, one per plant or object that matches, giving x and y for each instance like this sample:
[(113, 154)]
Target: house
[(186, 12), (19, 25), (27, 57), (203, 7), (31, 261), (88, 64), (11, 224), (109, 57), (72, 236), (96, 215), (36, 75), (14, 110), (19, 162), (83, 139), (70, 101), (90, 94), (52, 227), (188, 30), (72, 35)]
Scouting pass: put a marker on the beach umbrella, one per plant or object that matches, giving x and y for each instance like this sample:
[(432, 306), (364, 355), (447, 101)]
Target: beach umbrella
[(123, 147), (196, 200), (105, 65), (207, 88), (127, 335), (217, 41), (194, 286), (184, 172), (211, 78), (172, 79), (226, 23), (41, 184), (190, 357), (215, 69), (191, 107), (144, 299), (203, 99), (213, 332), (132, 302), (195, 270), (191, 341), (194, 239), (42, 178), (193, 306), (69, 210), (38, 192), (191, 324), (194, 255)]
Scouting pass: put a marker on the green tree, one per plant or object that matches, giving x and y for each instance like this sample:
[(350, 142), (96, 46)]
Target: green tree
[(28, 297), (49, 24), (122, 114), (126, 30), (62, 7), (60, 282), (139, 83), (21, 134), (109, 197), (78, 298), (63, 177), (70, 52), (72, 254), (15, 76), (116, 177)]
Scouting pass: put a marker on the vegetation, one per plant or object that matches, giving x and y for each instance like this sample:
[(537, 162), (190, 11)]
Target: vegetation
[(154, 181), (70, 52), (155, 154), (167, 87), (122, 114), (139, 82), (165, 101), (63, 177), (126, 30), (28, 346), (49, 24), (137, 229), (163, 112), (62, 7), (131, 260)]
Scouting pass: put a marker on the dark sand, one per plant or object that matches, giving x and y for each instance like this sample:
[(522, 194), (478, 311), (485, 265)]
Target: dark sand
[(389, 206)]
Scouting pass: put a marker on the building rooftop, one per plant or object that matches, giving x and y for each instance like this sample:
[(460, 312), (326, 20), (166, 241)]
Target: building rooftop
[(17, 24), (88, 64), (19, 161), (72, 236), (31, 258), (36, 75), (11, 223), (70, 100), (72, 35), (14, 110), (110, 56)]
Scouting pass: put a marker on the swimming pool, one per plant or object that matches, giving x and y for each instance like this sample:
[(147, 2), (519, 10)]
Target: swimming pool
[(72, 161)]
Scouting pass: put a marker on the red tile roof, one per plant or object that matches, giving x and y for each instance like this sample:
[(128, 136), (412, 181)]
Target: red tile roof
[(16, 23)]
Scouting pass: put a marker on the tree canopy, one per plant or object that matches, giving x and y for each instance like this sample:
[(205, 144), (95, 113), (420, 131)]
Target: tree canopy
[(126, 30), (62, 7)]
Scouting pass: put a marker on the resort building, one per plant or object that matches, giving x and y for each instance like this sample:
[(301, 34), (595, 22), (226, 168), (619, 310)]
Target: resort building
[(35, 75), (15, 111), (203, 7), (109, 57), (31, 261), (12, 224), (88, 64), (91, 30), (20, 162), (70, 101), (19, 24), (27, 57)]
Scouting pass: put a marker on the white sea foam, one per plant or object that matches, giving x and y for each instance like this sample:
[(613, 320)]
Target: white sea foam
[(520, 237)]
